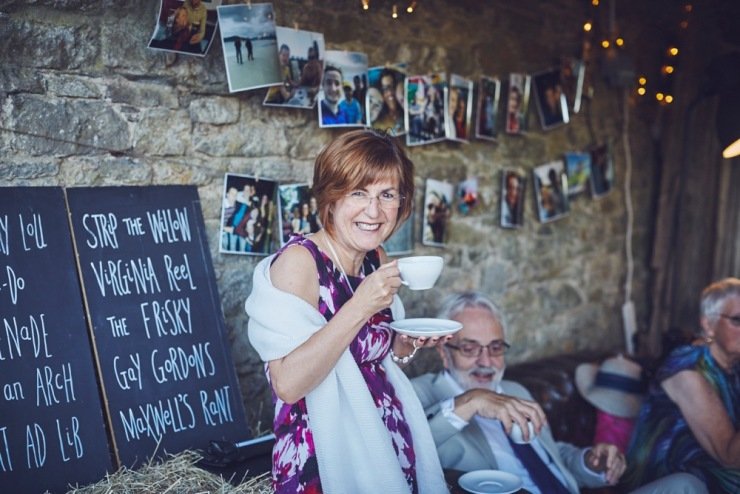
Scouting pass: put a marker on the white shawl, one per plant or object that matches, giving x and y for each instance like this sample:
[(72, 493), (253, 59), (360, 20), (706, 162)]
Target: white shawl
[(353, 447)]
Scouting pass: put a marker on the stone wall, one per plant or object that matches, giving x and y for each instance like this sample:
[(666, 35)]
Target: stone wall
[(83, 102)]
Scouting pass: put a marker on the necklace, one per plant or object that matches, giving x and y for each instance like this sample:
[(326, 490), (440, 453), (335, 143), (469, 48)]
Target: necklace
[(339, 264)]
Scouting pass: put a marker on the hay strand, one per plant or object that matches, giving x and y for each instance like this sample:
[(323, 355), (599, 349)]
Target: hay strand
[(178, 474)]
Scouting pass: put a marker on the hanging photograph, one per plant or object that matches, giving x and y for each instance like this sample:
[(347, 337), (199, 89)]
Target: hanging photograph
[(578, 169), (301, 61), (249, 46), (385, 104), (459, 110), (489, 91), (517, 103), (248, 216), (425, 108), (297, 210), (550, 187), (551, 104), (513, 185), (467, 195), (186, 27), (402, 240), (572, 75), (602, 171), (342, 95), (437, 212)]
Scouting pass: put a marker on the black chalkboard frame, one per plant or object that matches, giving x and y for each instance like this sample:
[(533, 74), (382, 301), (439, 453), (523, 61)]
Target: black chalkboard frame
[(60, 437), (146, 420)]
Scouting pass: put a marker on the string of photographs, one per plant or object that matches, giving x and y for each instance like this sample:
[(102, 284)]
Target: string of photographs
[(299, 72), (260, 215)]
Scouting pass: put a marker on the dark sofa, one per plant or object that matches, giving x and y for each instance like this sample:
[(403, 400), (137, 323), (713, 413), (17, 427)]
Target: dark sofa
[(552, 384)]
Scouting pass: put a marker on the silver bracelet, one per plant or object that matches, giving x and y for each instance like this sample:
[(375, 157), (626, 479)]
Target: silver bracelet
[(406, 359)]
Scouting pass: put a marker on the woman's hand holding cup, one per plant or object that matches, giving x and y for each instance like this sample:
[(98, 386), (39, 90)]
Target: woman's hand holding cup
[(378, 288)]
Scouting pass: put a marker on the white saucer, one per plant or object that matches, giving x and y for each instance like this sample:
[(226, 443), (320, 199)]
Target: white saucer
[(490, 482), (426, 327)]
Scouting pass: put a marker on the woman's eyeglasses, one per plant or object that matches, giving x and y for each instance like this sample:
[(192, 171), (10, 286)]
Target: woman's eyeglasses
[(387, 200), (734, 320), (495, 348)]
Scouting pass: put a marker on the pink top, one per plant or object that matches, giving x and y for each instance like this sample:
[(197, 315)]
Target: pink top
[(613, 430)]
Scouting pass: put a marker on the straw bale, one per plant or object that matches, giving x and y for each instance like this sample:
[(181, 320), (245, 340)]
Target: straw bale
[(178, 474)]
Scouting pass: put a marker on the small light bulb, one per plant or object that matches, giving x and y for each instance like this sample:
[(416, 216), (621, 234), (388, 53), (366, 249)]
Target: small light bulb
[(688, 7), (619, 41), (595, 3), (605, 43), (642, 80), (684, 24), (659, 96), (365, 4), (668, 98), (673, 51), (395, 12), (668, 69), (641, 91), (587, 26)]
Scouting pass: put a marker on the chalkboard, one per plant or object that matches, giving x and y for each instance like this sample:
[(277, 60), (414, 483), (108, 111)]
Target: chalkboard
[(52, 430), (167, 375)]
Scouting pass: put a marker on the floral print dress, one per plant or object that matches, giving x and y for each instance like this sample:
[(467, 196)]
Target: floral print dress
[(294, 465)]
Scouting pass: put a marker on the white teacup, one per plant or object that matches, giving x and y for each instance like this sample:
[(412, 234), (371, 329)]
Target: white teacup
[(517, 435), (420, 272)]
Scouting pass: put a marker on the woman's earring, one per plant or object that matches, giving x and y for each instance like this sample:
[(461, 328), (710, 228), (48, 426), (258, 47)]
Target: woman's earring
[(708, 340)]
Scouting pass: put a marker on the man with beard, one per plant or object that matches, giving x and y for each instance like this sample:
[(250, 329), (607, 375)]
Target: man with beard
[(471, 410)]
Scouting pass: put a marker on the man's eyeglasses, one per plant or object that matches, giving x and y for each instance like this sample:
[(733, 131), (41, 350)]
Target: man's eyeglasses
[(496, 348), (734, 320), (385, 88), (386, 200)]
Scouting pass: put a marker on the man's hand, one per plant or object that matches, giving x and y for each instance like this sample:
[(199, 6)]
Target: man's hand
[(507, 409), (606, 458)]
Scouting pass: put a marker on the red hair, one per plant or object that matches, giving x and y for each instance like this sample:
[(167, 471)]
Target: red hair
[(357, 159)]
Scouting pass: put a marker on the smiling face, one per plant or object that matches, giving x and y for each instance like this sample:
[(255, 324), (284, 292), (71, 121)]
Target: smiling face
[(388, 87), (284, 56), (332, 86), (231, 195), (362, 228), (375, 103), (370, 163), (480, 327)]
